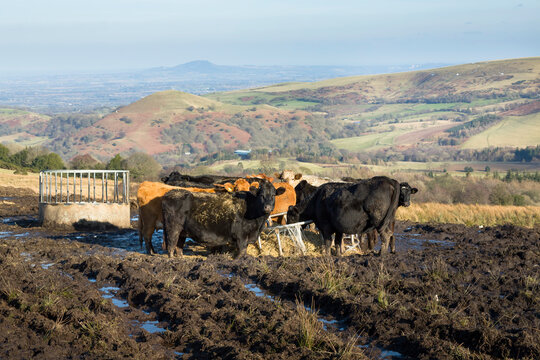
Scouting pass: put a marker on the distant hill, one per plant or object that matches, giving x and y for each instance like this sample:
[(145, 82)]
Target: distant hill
[(84, 92), (400, 116), (22, 127), (409, 109), (173, 123)]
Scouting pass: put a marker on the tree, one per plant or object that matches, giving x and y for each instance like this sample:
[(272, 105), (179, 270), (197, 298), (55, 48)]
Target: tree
[(20, 158), (116, 163), (50, 161), (85, 161), (4, 153), (142, 166)]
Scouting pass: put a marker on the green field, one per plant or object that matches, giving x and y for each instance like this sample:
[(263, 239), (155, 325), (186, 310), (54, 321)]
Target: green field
[(518, 131)]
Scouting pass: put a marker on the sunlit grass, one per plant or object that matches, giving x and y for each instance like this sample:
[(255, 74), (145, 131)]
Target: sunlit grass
[(471, 215)]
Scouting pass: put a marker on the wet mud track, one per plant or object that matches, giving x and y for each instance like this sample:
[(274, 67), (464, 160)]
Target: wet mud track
[(449, 292)]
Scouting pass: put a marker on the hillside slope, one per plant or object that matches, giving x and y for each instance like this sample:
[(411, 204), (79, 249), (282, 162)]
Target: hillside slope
[(175, 123), (446, 106)]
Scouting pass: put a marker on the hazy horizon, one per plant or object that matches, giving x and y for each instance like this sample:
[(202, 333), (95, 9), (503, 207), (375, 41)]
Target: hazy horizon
[(61, 36)]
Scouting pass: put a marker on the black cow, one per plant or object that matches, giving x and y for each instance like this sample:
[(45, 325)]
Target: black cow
[(303, 191), (217, 219), (338, 208), (202, 181)]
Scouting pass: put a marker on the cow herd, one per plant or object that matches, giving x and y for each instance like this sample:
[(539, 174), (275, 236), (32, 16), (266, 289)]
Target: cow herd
[(219, 211)]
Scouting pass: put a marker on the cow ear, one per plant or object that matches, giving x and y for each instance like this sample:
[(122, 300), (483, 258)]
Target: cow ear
[(293, 210), (280, 191), (414, 190), (219, 188), (241, 194), (297, 176)]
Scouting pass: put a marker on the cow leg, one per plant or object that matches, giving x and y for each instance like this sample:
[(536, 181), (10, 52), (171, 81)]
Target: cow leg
[(385, 240), (179, 251), (339, 244), (363, 242), (147, 235), (372, 239), (392, 238), (327, 237), (241, 246)]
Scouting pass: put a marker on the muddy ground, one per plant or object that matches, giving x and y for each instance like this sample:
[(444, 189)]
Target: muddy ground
[(450, 292)]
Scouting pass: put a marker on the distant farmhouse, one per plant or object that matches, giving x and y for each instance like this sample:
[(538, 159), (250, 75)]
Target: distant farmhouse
[(244, 154)]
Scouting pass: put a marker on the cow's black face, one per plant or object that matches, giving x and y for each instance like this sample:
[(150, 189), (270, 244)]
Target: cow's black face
[(405, 192), (259, 202), (293, 215), (266, 197)]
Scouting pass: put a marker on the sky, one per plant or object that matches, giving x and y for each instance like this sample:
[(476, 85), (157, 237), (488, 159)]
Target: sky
[(59, 36)]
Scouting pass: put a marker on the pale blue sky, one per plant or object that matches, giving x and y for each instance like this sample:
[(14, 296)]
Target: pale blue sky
[(74, 35)]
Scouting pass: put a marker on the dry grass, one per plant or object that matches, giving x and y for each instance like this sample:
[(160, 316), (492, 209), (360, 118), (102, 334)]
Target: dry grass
[(30, 181), (471, 215)]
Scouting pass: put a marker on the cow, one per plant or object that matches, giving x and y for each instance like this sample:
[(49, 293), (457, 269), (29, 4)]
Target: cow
[(354, 209), (202, 181), (217, 219), (286, 198), (149, 196), (294, 178)]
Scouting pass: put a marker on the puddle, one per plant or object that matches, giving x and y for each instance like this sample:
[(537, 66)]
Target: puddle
[(389, 354), (121, 241), (21, 235), (383, 353), (258, 291), (120, 303), (107, 291), (337, 324), (445, 243), (6, 220), (67, 275), (92, 280), (151, 327), (6, 234), (46, 266), (135, 218), (4, 198)]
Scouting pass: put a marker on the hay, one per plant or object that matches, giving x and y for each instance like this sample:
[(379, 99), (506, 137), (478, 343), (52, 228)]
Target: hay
[(313, 241), (220, 209)]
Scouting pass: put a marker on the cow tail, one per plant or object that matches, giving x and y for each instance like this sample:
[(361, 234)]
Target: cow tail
[(390, 214)]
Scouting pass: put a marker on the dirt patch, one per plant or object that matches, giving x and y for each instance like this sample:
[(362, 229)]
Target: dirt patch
[(449, 292)]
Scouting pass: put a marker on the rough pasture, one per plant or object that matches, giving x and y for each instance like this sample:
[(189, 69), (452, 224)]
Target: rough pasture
[(449, 292)]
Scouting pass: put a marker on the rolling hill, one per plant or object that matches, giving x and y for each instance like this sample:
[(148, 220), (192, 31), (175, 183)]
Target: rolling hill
[(415, 108), (176, 123), (471, 106)]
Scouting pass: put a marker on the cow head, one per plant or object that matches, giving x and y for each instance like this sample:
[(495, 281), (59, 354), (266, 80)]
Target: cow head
[(260, 201), (293, 215), (405, 192)]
